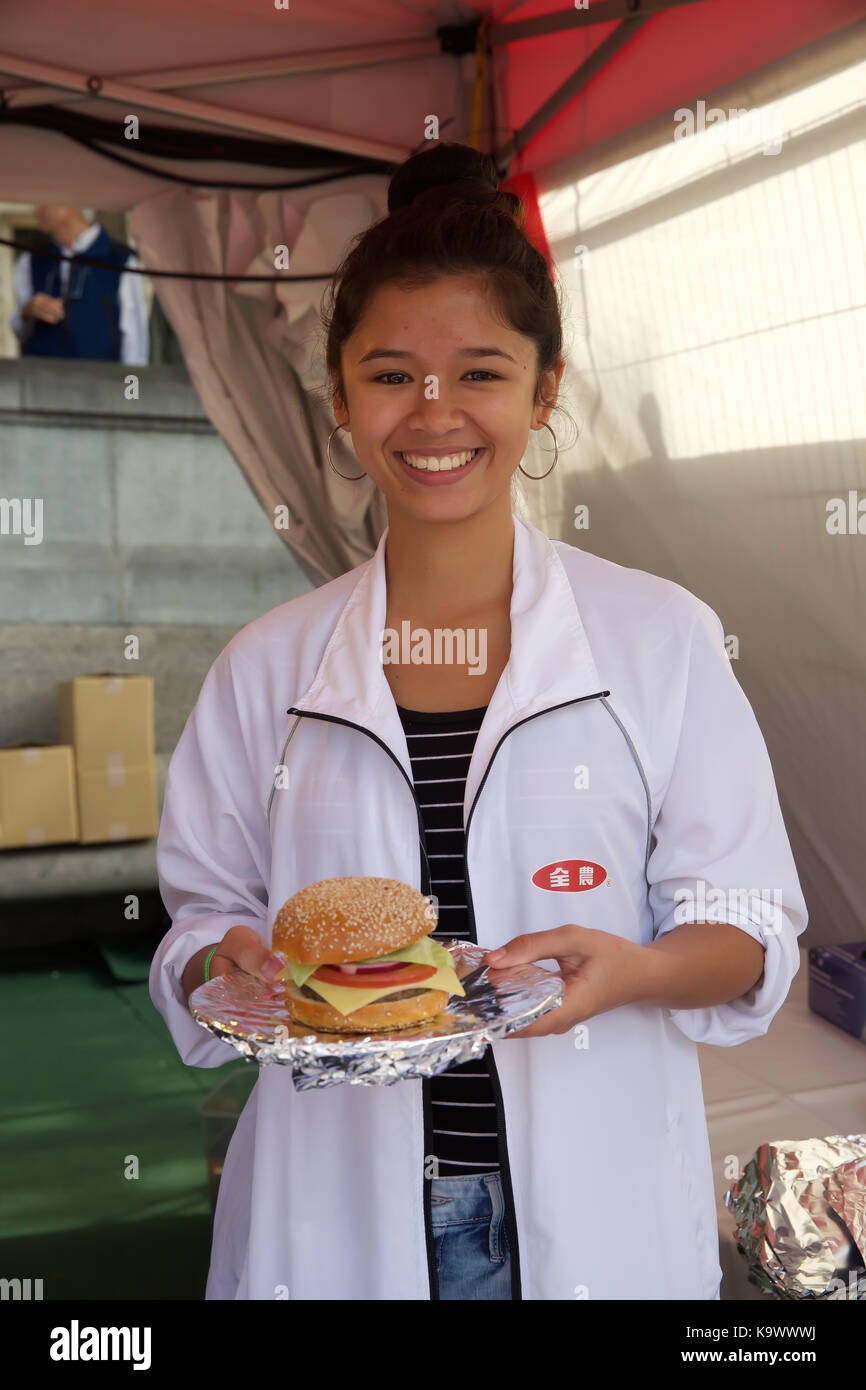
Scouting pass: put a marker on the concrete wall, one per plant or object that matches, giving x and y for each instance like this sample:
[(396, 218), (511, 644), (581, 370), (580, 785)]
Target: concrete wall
[(149, 527)]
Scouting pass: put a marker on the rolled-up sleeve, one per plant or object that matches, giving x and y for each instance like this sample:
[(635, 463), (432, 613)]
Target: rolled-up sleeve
[(22, 287), (720, 851), (213, 854)]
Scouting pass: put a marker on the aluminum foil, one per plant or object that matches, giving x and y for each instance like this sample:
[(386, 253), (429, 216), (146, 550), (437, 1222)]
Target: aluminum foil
[(252, 1016), (800, 1216)]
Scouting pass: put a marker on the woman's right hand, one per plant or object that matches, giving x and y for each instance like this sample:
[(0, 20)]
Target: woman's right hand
[(242, 948)]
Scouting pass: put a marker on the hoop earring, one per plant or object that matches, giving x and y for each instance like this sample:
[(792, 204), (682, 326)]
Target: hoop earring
[(347, 477), (536, 477)]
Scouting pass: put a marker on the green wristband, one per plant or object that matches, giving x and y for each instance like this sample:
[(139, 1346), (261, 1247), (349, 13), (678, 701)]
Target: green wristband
[(207, 962)]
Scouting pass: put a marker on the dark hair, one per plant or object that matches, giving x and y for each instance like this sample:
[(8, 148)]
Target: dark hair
[(448, 216)]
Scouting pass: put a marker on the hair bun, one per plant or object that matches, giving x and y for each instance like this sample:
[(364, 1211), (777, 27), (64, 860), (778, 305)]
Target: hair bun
[(467, 173)]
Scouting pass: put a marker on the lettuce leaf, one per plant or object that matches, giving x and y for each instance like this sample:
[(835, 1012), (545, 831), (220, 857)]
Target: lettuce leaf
[(422, 952)]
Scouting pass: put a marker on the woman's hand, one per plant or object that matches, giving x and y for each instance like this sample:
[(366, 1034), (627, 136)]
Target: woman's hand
[(242, 948), (600, 972)]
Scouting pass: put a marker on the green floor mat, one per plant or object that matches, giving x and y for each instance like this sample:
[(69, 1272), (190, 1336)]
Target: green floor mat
[(128, 958), (97, 1093)]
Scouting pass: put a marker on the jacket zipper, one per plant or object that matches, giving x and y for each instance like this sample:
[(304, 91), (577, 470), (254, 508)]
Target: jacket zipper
[(335, 719), (502, 1146)]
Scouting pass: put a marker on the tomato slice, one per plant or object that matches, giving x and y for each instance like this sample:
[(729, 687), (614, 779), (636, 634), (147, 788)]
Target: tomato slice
[(407, 974)]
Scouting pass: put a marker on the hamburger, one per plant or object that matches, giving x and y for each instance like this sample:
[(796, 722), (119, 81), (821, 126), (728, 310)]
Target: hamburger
[(360, 958)]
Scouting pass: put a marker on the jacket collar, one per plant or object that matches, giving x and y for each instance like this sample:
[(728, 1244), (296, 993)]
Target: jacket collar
[(550, 663), (82, 242)]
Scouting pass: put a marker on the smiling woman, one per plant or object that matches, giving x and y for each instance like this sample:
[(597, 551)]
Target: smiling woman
[(460, 779), (444, 348)]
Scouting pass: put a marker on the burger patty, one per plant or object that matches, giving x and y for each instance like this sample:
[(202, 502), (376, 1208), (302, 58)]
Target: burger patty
[(400, 994)]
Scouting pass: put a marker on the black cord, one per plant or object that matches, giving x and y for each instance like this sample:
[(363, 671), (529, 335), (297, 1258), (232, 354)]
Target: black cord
[(90, 142), (204, 183), (216, 183), (168, 143), (93, 146)]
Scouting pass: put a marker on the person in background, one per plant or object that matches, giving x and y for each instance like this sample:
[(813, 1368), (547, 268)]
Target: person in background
[(69, 310)]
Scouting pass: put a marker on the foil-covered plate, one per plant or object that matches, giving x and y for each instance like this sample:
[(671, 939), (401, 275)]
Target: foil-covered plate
[(800, 1216), (252, 1016)]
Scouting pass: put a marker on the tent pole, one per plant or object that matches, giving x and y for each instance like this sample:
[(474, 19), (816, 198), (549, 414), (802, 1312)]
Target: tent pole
[(622, 35), (598, 12), (246, 70), (134, 97), (759, 87)]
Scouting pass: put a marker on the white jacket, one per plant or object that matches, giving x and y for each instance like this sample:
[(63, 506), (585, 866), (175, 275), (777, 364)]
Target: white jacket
[(605, 1156)]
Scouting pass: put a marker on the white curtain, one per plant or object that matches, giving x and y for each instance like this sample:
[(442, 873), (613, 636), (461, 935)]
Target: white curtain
[(717, 322), (255, 352)]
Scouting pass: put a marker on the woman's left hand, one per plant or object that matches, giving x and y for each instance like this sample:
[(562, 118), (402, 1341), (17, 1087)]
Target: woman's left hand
[(600, 972)]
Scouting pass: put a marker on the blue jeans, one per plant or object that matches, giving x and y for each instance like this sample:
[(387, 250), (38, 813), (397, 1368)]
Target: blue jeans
[(472, 1254)]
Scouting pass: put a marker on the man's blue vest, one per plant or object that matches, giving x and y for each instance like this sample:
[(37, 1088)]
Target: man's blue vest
[(91, 328)]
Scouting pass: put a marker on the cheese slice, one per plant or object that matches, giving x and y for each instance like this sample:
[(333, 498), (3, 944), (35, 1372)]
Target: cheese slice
[(425, 951), (346, 999)]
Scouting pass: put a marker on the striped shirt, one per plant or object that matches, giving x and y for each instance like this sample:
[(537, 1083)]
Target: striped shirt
[(463, 1103)]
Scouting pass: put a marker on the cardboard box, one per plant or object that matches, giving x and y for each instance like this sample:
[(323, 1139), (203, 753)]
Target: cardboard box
[(108, 720), (119, 804), (837, 985), (38, 804)]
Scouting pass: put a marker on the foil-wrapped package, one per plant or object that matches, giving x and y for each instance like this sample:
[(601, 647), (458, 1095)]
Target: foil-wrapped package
[(800, 1216), (253, 1016)]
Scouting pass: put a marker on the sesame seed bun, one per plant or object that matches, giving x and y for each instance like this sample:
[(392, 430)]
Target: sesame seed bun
[(339, 920)]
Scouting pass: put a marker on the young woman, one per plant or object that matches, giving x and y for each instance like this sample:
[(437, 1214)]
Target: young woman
[(587, 789)]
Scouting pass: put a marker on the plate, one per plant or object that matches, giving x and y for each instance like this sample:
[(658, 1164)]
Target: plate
[(252, 1016)]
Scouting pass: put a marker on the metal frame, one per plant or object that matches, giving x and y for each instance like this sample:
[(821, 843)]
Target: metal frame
[(153, 90), (597, 12), (244, 70), (788, 73), (622, 35), (633, 14), (132, 95)]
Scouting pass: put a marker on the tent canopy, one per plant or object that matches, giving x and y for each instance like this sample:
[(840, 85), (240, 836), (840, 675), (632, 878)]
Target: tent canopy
[(227, 93), (715, 292)]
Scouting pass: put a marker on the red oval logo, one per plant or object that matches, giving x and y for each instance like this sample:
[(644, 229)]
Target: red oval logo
[(570, 876)]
